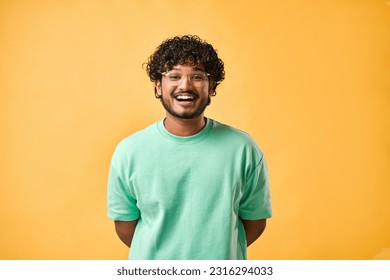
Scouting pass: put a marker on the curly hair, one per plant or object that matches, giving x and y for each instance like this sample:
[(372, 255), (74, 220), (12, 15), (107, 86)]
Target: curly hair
[(187, 49)]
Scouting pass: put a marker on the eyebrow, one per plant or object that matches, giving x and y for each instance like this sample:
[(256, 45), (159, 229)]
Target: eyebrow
[(194, 68)]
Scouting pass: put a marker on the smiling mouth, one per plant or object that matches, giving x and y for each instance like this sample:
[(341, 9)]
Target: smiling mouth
[(184, 97)]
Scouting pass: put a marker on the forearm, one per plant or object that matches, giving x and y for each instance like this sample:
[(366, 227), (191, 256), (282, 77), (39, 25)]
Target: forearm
[(125, 231), (253, 229)]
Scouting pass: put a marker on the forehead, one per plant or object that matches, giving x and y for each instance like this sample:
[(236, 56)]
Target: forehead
[(187, 67)]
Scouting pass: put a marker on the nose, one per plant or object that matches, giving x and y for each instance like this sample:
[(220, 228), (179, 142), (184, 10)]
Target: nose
[(185, 82)]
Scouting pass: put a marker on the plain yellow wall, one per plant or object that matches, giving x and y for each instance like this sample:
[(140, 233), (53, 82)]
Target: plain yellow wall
[(309, 80)]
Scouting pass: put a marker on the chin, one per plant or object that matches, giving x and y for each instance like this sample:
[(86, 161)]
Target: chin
[(186, 116)]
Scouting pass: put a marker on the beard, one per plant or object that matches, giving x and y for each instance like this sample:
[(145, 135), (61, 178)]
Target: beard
[(185, 115)]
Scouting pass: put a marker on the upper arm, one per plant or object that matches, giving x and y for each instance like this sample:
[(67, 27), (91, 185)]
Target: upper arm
[(253, 229), (125, 230), (121, 202), (255, 203), (255, 225)]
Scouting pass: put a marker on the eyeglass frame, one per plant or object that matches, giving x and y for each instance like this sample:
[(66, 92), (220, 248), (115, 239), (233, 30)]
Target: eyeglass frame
[(188, 77)]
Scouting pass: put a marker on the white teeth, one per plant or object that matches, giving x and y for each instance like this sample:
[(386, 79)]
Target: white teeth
[(184, 97)]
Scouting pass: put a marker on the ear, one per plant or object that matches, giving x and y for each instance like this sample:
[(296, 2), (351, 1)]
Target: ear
[(157, 86), (211, 88)]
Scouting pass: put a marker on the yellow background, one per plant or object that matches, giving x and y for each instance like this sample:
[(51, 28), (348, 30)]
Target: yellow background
[(309, 80)]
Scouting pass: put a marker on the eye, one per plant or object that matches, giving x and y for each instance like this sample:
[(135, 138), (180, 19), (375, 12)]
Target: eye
[(197, 77), (174, 76)]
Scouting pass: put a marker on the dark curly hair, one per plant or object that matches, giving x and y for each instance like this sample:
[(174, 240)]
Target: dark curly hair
[(187, 49)]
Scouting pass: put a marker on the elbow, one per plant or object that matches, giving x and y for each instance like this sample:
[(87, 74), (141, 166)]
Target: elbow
[(263, 226), (254, 229), (260, 228), (125, 231)]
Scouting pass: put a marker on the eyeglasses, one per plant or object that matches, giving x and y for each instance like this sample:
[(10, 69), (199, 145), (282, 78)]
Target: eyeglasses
[(197, 78)]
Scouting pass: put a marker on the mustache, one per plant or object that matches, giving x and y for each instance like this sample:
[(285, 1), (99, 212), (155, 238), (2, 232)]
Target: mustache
[(187, 92)]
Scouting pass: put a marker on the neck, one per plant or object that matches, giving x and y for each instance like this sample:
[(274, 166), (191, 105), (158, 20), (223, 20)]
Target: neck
[(184, 127)]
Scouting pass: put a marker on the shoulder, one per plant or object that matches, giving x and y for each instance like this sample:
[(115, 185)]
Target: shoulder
[(137, 140), (232, 134), (235, 139)]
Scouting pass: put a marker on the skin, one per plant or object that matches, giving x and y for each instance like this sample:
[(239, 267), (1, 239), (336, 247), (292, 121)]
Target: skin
[(125, 230), (253, 229), (186, 119)]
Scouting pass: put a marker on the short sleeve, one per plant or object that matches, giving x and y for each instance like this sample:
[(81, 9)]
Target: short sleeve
[(122, 206), (256, 200)]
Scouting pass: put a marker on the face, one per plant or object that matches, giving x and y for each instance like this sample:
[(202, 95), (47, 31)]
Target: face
[(185, 98)]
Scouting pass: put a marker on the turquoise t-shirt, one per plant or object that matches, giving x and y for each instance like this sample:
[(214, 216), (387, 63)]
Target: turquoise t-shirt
[(189, 193)]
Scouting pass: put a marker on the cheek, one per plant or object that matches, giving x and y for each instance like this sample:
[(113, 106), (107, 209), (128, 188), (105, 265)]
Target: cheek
[(166, 93)]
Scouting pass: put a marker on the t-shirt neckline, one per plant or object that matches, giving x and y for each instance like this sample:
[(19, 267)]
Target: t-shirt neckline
[(201, 135)]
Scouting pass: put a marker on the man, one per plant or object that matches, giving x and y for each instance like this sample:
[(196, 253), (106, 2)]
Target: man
[(188, 187)]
